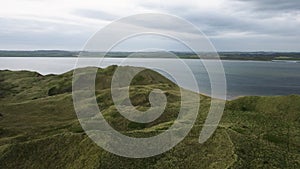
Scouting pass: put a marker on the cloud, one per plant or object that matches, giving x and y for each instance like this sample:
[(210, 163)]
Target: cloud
[(230, 20), (29, 34), (231, 24), (274, 5), (95, 14)]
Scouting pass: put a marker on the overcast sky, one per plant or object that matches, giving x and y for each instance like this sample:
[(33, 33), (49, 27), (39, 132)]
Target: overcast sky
[(231, 25)]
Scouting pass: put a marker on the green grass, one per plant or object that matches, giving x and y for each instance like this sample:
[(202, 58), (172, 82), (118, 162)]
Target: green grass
[(39, 127)]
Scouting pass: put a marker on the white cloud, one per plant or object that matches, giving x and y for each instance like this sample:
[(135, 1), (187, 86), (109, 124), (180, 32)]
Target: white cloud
[(54, 22)]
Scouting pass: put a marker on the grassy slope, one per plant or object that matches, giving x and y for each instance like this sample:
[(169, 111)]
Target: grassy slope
[(39, 129)]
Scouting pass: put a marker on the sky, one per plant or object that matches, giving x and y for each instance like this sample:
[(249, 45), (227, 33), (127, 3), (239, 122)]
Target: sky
[(231, 25)]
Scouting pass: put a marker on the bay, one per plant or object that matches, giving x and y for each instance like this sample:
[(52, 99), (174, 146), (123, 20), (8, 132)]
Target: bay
[(262, 78)]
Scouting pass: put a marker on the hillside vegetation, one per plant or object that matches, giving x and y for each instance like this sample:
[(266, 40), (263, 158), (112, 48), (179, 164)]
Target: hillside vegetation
[(39, 127)]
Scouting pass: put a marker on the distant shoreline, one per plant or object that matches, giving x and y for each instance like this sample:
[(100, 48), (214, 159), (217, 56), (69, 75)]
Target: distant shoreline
[(229, 59), (243, 56)]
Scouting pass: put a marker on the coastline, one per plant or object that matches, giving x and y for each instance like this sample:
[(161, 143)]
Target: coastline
[(228, 98)]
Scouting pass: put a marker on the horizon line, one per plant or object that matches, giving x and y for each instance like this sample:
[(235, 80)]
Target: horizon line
[(65, 50)]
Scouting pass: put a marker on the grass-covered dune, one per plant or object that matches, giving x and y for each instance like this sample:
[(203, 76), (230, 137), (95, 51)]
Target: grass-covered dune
[(39, 127)]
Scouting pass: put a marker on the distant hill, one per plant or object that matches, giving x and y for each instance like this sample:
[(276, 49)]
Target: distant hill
[(262, 56), (39, 128), (39, 53)]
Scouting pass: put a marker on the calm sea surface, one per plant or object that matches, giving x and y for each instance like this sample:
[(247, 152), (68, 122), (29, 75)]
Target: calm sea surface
[(243, 77)]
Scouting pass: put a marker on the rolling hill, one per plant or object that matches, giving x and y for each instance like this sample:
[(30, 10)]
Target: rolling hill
[(39, 127)]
